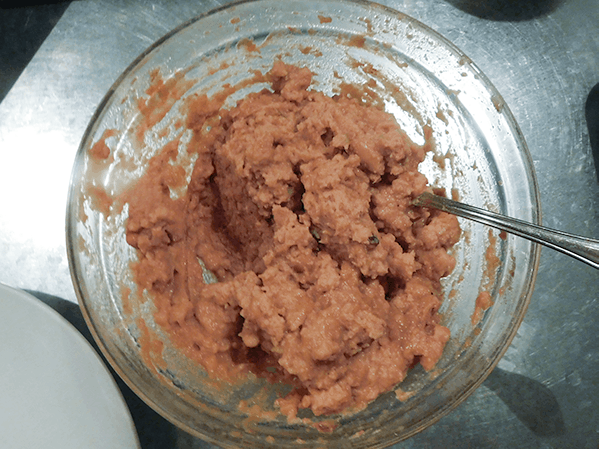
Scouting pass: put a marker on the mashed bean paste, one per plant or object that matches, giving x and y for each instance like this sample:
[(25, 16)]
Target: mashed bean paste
[(299, 205)]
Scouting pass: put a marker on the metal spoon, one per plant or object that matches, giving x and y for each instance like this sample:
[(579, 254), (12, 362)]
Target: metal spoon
[(581, 248)]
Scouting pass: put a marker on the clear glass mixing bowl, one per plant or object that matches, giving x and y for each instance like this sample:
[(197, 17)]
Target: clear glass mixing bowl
[(421, 78)]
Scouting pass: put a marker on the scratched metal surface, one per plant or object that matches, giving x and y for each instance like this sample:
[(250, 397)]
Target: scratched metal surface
[(544, 59)]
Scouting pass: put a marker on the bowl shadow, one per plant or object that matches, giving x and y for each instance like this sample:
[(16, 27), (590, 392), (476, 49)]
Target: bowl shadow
[(531, 402), (592, 119), (507, 10)]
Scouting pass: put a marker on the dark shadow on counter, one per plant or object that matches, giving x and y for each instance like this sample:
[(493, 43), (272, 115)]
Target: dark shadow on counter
[(24, 25), (153, 430), (592, 118), (507, 10), (533, 403)]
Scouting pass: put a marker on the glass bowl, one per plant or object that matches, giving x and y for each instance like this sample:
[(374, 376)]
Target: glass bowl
[(480, 157)]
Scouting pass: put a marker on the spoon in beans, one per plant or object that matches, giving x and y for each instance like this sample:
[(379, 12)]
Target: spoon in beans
[(582, 248)]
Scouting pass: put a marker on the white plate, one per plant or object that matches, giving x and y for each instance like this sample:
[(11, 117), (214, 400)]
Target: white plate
[(55, 391)]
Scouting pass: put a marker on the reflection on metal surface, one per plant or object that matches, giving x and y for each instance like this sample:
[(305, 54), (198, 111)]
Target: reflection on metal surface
[(544, 67)]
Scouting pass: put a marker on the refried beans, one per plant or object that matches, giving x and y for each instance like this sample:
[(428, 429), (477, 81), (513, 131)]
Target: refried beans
[(299, 206)]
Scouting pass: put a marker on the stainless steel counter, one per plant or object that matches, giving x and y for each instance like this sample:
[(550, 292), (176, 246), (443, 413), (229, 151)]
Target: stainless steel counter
[(544, 59)]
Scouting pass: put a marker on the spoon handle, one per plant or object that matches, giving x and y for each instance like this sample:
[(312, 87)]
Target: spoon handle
[(581, 248)]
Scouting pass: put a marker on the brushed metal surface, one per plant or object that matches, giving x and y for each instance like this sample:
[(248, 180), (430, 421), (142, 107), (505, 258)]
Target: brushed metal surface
[(543, 56)]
